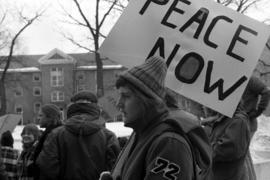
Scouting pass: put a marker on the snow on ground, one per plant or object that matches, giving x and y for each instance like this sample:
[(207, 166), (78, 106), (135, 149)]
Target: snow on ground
[(117, 127), (259, 147), (260, 144)]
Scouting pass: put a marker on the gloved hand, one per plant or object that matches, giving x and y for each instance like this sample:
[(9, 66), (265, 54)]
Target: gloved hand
[(106, 175), (255, 113)]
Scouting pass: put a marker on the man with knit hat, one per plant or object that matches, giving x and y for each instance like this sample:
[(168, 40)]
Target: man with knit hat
[(113, 146), (154, 151), (76, 150)]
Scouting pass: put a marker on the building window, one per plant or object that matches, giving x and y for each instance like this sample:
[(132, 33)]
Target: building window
[(37, 91), (18, 109), (36, 78), (57, 96), (37, 107), (18, 91), (57, 77)]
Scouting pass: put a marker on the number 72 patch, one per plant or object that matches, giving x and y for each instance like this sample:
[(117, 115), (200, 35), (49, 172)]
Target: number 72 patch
[(168, 169)]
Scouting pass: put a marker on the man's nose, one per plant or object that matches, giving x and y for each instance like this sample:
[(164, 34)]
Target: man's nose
[(120, 104)]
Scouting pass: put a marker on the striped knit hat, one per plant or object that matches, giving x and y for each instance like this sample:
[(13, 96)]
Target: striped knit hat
[(149, 77)]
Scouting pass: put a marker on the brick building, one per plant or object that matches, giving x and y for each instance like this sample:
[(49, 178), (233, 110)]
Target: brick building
[(34, 80)]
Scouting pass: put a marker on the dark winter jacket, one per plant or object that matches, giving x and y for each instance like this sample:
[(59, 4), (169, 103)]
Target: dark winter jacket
[(255, 100), (25, 163), (156, 154), (112, 148), (256, 96), (230, 139), (75, 151), (34, 168), (197, 138)]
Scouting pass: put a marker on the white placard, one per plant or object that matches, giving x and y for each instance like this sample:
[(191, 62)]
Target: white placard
[(210, 49)]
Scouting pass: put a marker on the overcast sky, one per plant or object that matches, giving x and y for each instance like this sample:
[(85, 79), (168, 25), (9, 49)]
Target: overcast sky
[(43, 36)]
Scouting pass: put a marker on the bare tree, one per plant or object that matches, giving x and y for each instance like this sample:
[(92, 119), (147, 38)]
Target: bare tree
[(239, 5), (26, 23), (4, 34), (94, 27)]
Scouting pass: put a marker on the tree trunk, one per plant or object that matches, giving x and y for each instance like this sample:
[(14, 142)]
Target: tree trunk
[(3, 108), (99, 74)]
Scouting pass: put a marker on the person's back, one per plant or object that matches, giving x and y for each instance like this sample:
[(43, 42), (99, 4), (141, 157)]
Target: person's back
[(112, 143), (76, 150), (3, 174), (80, 149), (9, 155)]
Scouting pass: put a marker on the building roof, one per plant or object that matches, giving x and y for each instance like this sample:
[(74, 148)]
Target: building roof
[(82, 60)]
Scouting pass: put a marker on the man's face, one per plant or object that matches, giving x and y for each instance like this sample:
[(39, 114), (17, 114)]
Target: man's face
[(43, 120), (130, 106)]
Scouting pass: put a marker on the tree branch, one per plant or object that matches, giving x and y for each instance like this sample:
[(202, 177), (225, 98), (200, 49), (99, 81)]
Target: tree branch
[(108, 12), (264, 63), (264, 73), (28, 23), (3, 18), (71, 39), (245, 8), (119, 6), (268, 46), (77, 22), (84, 18)]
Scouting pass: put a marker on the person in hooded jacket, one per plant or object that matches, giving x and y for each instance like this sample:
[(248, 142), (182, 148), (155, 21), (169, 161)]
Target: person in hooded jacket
[(230, 139), (153, 152), (76, 150), (112, 145)]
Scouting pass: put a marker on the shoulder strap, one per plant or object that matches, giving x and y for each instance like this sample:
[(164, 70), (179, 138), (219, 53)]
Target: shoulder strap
[(167, 127)]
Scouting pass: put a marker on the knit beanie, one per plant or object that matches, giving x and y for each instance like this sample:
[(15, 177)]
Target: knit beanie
[(52, 111), (149, 77), (83, 108), (7, 139), (85, 96)]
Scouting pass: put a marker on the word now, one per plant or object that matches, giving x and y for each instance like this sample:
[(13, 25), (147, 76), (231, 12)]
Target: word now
[(195, 58)]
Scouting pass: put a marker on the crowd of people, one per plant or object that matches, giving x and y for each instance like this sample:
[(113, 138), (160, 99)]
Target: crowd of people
[(78, 147), (167, 142)]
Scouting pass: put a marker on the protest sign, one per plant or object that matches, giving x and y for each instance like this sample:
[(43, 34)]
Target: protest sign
[(9, 122), (210, 50)]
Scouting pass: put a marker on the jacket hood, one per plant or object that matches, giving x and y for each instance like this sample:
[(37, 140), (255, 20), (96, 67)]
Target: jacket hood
[(84, 125), (197, 137)]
